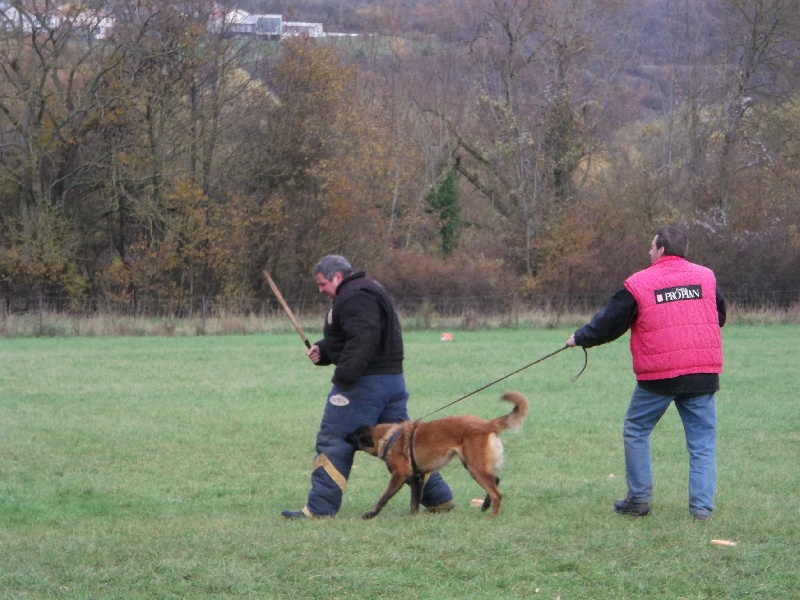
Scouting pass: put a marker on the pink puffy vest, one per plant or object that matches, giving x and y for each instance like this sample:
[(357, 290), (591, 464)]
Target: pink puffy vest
[(677, 331)]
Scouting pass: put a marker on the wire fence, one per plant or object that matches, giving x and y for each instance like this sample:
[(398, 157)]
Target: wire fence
[(446, 306)]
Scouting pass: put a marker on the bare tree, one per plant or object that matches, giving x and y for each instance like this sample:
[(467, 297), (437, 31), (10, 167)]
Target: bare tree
[(760, 62), (52, 73)]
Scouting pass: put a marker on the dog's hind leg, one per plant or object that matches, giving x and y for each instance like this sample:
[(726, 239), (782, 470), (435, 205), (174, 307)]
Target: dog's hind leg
[(489, 482), (487, 502)]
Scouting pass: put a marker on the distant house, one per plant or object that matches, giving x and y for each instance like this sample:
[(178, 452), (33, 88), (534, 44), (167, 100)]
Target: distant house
[(238, 23), (98, 24), (231, 22), (269, 25), (291, 28), (89, 22)]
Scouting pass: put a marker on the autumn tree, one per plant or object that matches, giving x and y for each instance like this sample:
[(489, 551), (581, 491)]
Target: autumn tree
[(760, 62), (51, 76), (538, 94), (319, 167), (182, 104)]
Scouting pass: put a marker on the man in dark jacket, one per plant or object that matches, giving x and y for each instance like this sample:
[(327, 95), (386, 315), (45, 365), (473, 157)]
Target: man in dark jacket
[(674, 310), (362, 338)]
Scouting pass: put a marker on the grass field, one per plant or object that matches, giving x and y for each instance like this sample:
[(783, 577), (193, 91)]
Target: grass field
[(158, 467)]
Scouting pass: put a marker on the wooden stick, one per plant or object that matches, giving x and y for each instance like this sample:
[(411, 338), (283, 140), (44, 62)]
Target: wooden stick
[(286, 308)]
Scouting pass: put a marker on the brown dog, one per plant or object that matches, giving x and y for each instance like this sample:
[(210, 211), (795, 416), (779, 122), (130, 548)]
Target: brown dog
[(413, 449)]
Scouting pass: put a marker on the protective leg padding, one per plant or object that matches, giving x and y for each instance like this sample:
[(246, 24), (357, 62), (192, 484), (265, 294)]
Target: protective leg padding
[(327, 487)]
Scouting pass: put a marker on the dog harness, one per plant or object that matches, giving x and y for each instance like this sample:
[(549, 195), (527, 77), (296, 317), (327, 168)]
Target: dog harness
[(416, 473)]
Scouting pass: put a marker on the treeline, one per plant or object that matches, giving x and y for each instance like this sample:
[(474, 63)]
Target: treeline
[(473, 148)]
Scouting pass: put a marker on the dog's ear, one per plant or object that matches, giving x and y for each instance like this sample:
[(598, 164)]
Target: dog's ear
[(361, 438)]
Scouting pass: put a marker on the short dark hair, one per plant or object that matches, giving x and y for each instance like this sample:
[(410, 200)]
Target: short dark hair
[(330, 265), (673, 240)]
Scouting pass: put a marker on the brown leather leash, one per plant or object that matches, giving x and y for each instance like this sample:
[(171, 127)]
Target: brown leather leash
[(537, 361)]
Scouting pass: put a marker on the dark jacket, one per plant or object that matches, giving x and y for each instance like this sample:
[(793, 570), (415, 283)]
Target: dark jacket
[(362, 333)]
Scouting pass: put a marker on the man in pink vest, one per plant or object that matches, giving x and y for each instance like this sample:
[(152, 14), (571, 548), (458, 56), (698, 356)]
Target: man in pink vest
[(674, 310)]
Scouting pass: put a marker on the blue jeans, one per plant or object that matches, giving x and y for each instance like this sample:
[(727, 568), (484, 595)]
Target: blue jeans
[(699, 416), (374, 399)]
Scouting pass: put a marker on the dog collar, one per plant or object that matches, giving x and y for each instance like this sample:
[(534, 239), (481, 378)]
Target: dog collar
[(392, 440)]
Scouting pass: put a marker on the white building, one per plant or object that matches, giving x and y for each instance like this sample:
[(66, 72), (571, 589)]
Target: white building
[(291, 28), (238, 23)]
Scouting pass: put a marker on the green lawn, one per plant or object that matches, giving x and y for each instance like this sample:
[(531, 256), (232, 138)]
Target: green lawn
[(158, 467)]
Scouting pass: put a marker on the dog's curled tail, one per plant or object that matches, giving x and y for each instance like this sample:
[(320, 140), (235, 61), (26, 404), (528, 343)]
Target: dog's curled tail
[(514, 419)]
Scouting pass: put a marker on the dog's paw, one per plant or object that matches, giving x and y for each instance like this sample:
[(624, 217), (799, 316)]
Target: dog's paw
[(369, 515)]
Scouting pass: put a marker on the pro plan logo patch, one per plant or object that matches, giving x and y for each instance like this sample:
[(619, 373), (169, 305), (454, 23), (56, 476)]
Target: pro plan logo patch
[(683, 292), (339, 400)]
